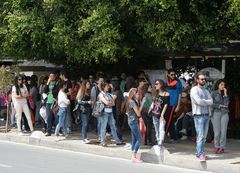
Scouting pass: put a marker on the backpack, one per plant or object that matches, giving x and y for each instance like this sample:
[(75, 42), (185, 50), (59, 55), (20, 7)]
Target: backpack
[(98, 109)]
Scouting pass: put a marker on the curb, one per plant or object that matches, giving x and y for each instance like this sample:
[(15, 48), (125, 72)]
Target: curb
[(155, 155)]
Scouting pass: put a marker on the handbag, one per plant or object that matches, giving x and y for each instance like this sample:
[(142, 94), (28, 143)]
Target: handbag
[(55, 108)]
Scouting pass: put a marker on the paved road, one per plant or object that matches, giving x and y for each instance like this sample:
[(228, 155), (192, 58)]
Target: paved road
[(20, 158)]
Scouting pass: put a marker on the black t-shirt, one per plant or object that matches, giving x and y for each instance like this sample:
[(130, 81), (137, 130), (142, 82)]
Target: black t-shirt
[(159, 104)]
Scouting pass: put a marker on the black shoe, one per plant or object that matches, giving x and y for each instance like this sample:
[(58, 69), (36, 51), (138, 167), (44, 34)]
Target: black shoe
[(121, 143), (47, 134)]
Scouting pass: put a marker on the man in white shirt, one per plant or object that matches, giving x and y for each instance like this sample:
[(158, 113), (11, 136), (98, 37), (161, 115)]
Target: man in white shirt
[(201, 102)]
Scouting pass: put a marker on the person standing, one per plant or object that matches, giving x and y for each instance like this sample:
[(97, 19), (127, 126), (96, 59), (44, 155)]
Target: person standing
[(20, 95), (201, 104), (63, 103), (84, 101), (64, 77), (107, 115), (158, 110), (96, 89), (51, 89), (174, 88), (220, 116), (133, 111), (147, 116)]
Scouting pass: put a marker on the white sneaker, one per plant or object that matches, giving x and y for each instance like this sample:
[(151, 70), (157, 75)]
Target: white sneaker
[(86, 141), (108, 134), (184, 138), (57, 139), (183, 131), (20, 134)]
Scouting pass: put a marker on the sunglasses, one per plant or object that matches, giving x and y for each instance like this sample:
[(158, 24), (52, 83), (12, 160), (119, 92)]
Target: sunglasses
[(173, 74)]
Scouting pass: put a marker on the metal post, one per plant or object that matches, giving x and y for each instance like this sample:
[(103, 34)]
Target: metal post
[(223, 68)]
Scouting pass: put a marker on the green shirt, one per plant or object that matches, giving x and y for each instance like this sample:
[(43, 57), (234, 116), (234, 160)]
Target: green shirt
[(50, 98), (148, 102)]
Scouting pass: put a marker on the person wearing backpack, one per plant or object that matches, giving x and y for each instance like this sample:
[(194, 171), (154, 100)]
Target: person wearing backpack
[(107, 115), (96, 89), (133, 111)]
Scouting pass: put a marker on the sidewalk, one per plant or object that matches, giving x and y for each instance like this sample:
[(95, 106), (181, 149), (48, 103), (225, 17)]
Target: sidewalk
[(180, 155)]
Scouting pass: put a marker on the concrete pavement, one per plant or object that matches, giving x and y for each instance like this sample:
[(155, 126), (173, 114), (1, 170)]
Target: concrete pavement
[(180, 155)]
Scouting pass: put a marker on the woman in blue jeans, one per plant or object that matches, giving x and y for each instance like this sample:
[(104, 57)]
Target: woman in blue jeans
[(158, 110), (63, 103), (84, 101), (134, 114), (107, 116)]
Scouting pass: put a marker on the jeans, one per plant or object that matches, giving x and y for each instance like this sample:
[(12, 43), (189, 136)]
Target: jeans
[(69, 118), (49, 117), (62, 112), (201, 125), (107, 118), (220, 123), (159, 129), (136, 137), (84, 118)]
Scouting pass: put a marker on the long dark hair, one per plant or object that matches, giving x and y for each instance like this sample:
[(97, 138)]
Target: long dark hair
[(18, 86)]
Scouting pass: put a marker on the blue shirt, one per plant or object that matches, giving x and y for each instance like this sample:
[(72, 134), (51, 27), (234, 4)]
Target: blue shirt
[(174, 92)]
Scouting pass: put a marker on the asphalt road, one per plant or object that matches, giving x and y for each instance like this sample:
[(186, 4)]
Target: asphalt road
[(20, 158)]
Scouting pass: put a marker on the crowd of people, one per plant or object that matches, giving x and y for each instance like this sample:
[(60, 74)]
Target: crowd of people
[(155, 113)]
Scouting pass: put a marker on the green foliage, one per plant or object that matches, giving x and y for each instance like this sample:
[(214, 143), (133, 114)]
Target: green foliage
[(95, 31)]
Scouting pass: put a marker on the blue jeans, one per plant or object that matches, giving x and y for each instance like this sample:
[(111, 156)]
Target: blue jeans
[(159, 127), (136, 137), (107, 118), (49, 117), (84, 118), (62, 112), (201, 125)]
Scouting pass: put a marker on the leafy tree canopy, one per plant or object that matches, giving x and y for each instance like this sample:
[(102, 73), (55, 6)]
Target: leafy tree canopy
[(96, 31)]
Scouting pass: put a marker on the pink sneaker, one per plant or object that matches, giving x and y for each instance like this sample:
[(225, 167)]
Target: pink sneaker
[(136, 160), (221, 150), (216, 150), (202, 158)]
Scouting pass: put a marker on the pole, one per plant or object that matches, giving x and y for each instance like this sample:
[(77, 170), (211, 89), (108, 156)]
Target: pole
[(223, 68)]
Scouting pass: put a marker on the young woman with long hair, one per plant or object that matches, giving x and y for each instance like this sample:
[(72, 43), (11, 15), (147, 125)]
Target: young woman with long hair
[(158, 110), (133, 111), (220, 115), (84, 101), (20, 94), (107, 116)]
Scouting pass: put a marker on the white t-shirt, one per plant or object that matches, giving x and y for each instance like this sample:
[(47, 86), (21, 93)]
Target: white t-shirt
[(23, 91), (63, 101)]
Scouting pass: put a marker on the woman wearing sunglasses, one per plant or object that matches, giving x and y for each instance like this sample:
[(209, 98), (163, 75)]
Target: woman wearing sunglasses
[(158, 110), (20, 95)]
